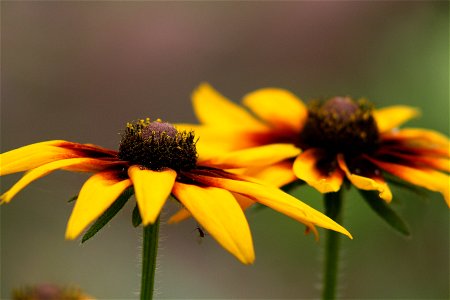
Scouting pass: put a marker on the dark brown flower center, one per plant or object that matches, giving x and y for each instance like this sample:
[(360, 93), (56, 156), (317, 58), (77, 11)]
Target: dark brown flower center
[(340, 125), (157, 145)]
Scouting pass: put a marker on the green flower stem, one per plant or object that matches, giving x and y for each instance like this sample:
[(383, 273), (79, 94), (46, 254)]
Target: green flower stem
[(150, 249), (333, 204)]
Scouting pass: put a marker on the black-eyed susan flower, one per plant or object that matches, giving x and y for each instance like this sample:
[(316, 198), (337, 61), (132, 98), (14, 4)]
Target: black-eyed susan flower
[(339, 138), (157, 160)]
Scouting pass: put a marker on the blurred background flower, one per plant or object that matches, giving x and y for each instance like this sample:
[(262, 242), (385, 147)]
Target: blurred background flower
[(79, 70)]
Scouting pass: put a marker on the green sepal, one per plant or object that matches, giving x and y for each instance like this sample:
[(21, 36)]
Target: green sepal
[(73, 199), (384, 210), (108, 214), (136, 217)]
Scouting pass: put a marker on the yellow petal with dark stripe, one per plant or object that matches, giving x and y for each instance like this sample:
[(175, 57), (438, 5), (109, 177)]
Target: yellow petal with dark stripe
[(152, 188), (427, 178), (218, 212), (365, 183), (280, 108), (277, 200), (391, 117), (32, 156), (36, 173), (212, 108), (96, 196), (305, 167), (253, 157), (422, 138)]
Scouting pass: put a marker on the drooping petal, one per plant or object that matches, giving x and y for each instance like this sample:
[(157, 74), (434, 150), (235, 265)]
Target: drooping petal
[(280, 108), (252, 157), (219, 213), (78, 164), (391, 117), (32, 156), (96, 195), (275, 199), (214, 109), (424, 177), (278, 174), (151, 189), (306, 168), (365, 183)]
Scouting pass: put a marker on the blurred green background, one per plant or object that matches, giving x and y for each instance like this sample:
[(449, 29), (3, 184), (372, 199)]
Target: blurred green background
[(80, 70)]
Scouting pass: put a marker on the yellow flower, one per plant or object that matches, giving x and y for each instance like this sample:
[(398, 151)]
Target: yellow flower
[(340, 138), (158, 161)]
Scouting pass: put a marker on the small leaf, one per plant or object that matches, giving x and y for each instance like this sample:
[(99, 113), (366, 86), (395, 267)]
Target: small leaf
[(385, 211), (136, 217), (108, 214), (73, 198)]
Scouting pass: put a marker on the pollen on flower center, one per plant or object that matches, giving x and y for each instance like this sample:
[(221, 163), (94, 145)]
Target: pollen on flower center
[(157, 145), (340, 125)]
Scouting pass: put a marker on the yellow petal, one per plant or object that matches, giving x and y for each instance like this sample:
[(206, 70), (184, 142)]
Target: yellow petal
[(32, 156), (36, 173), (305, 167), (181, 215), (212, 108), (277, 200), (96, 196), (219, 213), (278, 174), (391, 117), (364, 183), (252, 157), (280, 108), (423, 138), (213, 141), (151, 189), (427, 178), (244, 201)]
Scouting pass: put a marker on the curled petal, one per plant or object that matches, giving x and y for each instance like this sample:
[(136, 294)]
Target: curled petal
[(253, 157), (79, 164), (96, 195), (365, 183), (214, 109), (280, 108), (151, 189), (391, 117), (277, 200), (306, 168), (424, 177), (219, 213)]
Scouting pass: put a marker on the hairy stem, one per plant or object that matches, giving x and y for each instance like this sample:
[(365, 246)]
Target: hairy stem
[(333, 205), (150, 249)]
